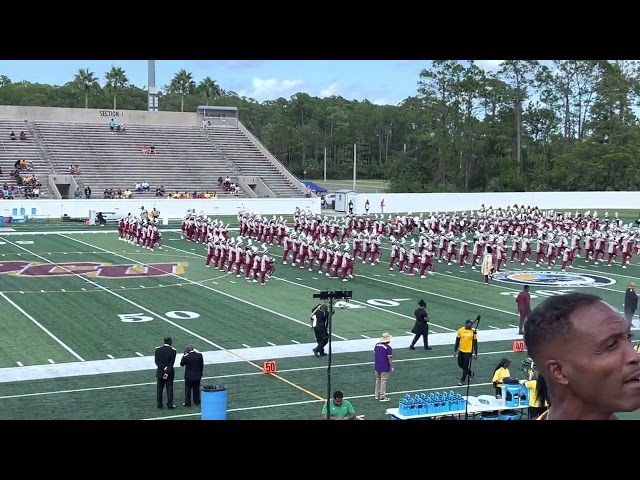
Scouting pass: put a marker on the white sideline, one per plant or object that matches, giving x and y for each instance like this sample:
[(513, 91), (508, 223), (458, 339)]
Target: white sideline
[(136, 364)]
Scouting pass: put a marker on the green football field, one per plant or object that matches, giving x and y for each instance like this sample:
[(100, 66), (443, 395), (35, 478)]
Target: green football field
[(82, 312)]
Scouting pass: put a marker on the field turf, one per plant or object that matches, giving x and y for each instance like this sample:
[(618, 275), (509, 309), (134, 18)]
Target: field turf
[(80, 346)]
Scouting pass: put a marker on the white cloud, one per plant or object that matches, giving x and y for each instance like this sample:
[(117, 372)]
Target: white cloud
[(490, 64), (270, 89), (330, 91)]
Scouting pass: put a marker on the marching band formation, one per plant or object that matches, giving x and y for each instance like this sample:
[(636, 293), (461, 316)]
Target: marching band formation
[(332, 246)]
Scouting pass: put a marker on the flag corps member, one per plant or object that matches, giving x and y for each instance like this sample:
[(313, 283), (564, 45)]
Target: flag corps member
[(320, 326)]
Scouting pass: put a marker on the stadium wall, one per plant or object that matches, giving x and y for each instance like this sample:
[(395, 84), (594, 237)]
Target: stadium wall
[(92, 115), (451, 202), (394, 203), (171, 209)]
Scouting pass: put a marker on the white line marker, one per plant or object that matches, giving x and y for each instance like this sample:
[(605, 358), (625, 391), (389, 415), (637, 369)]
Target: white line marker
[(111, 357), (392, 274), (315, 278), (245, 345), (299, 279), (272, 344), (62, 290), (21, 292), (42, 291), (409, 333), (50, 361), (376, 275), (123, 287), (364, 336), (83, 289), (142, 286), (491, 326), (295, 341), (161, 285), (447, 271), (514, 326), (19, 364), (232, 281), (139, 354)]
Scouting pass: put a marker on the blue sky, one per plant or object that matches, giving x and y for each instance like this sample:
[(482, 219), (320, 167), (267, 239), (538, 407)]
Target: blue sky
[(379, 81)]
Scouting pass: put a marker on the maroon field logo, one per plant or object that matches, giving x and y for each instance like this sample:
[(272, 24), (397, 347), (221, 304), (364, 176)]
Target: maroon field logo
[(91, 269)]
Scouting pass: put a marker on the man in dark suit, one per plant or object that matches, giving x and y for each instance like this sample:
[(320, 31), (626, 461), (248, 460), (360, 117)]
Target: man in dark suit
[(165, 359), (630, 302), (193, 361)]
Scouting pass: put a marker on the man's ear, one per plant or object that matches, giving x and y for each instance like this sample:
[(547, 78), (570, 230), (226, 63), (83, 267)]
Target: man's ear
[(556, 371)]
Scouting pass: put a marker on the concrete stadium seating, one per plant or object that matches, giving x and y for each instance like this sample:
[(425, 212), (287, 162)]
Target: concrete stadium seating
[(250, 161), (29, 149), (185, 162)]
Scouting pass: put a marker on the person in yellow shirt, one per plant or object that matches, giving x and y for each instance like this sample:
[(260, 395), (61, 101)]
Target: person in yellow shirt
[(537, 404), (466, 346), (499, 374)]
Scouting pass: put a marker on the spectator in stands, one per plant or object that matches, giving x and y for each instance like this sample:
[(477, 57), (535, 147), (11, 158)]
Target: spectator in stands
[(160, 191), (145, 186), (36, 192), (78, 193), (138, 187), (87, 192), (23, 136), (12, 135), (112, 126), (127, 193), (120, 128)]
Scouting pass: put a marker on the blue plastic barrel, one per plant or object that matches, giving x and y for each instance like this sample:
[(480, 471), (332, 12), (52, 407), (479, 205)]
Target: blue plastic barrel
[(511, 392), (490, 416), (509, 415), (213, 402)]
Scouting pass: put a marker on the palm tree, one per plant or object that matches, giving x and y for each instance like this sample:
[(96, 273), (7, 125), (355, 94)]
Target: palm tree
[(86, 80), (209, 87), (115, 80), (182, 84)]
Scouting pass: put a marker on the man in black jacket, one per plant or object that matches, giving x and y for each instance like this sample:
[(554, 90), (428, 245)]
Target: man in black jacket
[(193, 361), (165, 359), (630, 302), (421, 327), (320, 326)]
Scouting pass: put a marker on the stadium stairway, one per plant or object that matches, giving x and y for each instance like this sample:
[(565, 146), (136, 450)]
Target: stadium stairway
[(184, 162), (247, 156), (29, 149)]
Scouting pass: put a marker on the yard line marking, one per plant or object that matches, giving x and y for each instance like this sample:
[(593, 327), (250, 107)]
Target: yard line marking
[(227, 352), (83, 289), (111, 357), (438, 295), (306, 402), (367, 305), (234, 375), (50, 361), (409, 333), (295, 341), (139, 354), (20, 364), (142, 286), (364, 336), (231, 281), (21, 292), (41, 327), (491, 326), (245, 345), (272, 344), (62, 290), (514, 326)]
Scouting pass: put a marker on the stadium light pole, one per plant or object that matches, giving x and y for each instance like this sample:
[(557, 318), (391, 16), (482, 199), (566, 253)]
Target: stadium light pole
[(330, 298), (325, 164), (151, 87), (354, 167)]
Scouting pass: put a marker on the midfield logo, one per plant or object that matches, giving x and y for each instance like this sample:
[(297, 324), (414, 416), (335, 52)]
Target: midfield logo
[(90, 269)]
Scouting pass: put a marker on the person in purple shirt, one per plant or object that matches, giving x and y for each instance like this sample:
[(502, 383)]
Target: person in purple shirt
[(383, 366)]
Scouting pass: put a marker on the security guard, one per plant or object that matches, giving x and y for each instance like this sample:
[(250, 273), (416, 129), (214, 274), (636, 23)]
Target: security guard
[(165, 357), (320, 325), (466, 346), (421, 328)]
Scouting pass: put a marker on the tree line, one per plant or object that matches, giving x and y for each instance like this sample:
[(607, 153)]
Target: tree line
[(570, 125)]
